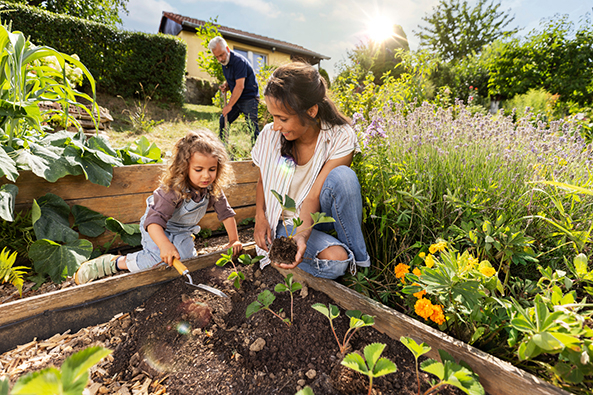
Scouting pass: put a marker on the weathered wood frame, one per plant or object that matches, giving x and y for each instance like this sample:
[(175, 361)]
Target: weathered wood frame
[(497, 377)]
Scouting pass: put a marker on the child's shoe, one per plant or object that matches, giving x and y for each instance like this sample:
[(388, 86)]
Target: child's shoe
[(96, 268)]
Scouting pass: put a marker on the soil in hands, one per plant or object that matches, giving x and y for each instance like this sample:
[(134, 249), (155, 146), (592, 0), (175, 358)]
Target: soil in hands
[(283, 250), (194, 342)]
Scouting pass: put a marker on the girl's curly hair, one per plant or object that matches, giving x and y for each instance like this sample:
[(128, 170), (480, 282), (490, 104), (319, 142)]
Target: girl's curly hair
[(205, 142)]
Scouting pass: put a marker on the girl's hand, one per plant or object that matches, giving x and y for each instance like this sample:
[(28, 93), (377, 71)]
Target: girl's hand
[(262, 234), (236, 245), (168, 252)]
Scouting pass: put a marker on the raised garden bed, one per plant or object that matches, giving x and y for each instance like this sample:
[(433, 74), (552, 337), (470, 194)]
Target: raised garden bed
[(200, 356)]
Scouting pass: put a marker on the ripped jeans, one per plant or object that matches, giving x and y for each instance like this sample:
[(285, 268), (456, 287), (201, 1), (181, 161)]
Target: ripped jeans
[(340, 198)]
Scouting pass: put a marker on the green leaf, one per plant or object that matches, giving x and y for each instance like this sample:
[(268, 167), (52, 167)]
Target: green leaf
[(305, 391), (7, 166), (90, 223), (581, 264), (280, 288), (266, 298), (53, 224), (129, 233), (76, 367), (330, 313), (415, 348), (372, 352), (355, 362), (4, 387), (94, 169), (278, 197), (384, 366), (568, 373), (44, 382), (433, 367), (253, 308), (8, 194), (59, 261)]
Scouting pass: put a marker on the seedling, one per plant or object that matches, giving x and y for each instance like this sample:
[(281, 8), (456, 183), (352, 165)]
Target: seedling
[(371, 365), (288, 204), (448, 372), (263, 302), (291, 287), (236, 276), (357, 321)]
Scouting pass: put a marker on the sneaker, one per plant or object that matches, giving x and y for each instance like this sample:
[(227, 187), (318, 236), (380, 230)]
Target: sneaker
[(96, 268)]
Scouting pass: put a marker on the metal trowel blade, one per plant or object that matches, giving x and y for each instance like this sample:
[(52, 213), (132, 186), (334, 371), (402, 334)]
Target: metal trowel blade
[(209, 289)]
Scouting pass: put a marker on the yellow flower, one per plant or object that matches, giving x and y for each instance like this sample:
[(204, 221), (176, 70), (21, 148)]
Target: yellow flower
[(437, 314), (423, 308), (422, 254), (472, 261), (440, 246), (488, 271), (429, 261)]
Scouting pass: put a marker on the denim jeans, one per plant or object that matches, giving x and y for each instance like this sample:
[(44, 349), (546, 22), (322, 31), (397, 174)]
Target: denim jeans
[(340, 198), (247, 107)]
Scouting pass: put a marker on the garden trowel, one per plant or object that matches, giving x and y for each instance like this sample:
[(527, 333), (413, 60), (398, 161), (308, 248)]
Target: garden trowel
[(182, 269)]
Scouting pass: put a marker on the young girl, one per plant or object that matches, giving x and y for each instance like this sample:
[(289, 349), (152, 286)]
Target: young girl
[(192, 184), (305, 154)]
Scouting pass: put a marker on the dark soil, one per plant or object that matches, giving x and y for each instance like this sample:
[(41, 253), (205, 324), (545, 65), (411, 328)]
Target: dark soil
[(194, 342), (283, 250)]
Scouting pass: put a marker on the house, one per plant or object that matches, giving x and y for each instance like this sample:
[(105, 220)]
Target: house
[(260, 50)]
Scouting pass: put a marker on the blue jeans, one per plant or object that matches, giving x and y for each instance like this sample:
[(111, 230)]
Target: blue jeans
[(340, 198), (247, 107)]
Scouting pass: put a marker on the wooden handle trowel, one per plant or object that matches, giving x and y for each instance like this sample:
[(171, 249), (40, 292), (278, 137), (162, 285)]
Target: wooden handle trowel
[(182, 269)]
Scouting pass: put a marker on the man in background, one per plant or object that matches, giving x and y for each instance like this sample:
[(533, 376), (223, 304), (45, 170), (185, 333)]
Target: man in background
[(241, 82)]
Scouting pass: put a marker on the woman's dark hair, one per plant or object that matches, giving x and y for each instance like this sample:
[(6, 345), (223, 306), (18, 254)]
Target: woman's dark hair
[(298, 87)]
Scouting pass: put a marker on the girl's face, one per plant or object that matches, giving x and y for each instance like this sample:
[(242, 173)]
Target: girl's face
[(286, 123), (202, 170)]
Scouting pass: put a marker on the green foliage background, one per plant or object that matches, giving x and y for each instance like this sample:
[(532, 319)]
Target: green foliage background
[(118, 60)]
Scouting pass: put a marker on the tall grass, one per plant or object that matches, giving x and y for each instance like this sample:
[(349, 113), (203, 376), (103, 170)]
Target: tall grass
[(425, 171)]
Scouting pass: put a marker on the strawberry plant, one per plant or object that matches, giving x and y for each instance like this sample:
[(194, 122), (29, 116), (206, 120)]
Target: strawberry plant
[(236, 276), (357, 321), (371, 365)]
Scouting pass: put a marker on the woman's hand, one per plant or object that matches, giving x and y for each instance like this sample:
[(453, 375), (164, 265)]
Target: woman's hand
[(236, 245), (262, 234), (168, 253), (301, 242)]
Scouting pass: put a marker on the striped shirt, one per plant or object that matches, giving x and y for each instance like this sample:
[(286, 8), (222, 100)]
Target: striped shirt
[(277, 171)]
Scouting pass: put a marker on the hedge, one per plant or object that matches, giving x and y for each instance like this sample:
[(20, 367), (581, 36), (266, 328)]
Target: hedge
[(118, 60)]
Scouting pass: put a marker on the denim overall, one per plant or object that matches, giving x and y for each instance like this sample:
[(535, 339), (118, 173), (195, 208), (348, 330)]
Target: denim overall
[(180, 227)]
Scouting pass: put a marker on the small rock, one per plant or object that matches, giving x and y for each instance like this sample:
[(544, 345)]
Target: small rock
[(301, 382), (257, 273), (257, 345), (304, 291), (256, 283), (272, 376), (311, 373), (298, 388)]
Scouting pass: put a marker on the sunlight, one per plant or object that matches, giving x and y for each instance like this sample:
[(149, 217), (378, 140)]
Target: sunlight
[(379, 29)]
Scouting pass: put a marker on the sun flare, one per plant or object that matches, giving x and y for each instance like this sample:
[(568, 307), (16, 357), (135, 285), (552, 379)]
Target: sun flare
[(380, 29)]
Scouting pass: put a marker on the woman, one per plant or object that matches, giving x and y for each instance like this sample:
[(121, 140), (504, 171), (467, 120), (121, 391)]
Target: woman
[(305, 154)]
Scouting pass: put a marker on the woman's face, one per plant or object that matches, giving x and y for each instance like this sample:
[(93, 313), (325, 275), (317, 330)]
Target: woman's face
[(286, 123)]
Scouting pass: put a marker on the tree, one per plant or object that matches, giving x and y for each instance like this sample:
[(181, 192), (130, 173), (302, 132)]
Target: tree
[(102, 11), (557, 58), (455, 30)]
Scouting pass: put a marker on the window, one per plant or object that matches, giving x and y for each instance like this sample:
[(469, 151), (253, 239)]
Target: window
[(257, 60)]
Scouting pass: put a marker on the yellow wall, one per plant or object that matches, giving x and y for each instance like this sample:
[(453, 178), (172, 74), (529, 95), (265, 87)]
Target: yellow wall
[(194, 46)]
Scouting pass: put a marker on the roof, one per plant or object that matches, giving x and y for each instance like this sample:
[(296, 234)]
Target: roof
[(188, 23)]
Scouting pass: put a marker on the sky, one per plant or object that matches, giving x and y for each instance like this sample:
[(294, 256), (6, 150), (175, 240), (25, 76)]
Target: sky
[(332, 27)]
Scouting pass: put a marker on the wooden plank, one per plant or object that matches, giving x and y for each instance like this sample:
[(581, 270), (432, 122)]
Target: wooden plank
[(69, 297), (498, 377), (126, 180)]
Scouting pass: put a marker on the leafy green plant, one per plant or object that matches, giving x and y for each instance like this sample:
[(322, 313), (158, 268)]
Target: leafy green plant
[(10, 273), (291, 287), (236, 276), (58, 250), (371, 365), (288, 204), (70, 379), (138, 116), (17, 235), (263, 302), (306, 391), (357, 321), (448, 372), (140, 152)]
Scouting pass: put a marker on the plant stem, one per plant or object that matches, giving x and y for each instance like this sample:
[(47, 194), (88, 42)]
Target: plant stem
[(370, 385), (271, 311), (434, 387), (342, 348), (291, 307)]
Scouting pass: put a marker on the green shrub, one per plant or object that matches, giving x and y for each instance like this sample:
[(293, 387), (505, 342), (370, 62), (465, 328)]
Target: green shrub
[(535, 101), (118, 60)]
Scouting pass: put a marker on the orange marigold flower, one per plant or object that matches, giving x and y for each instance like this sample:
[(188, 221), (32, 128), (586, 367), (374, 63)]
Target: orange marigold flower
[(429, 261), (488, 271), (423, 308), (401, 270), (420, 293), (437, 314), (417, 271)]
